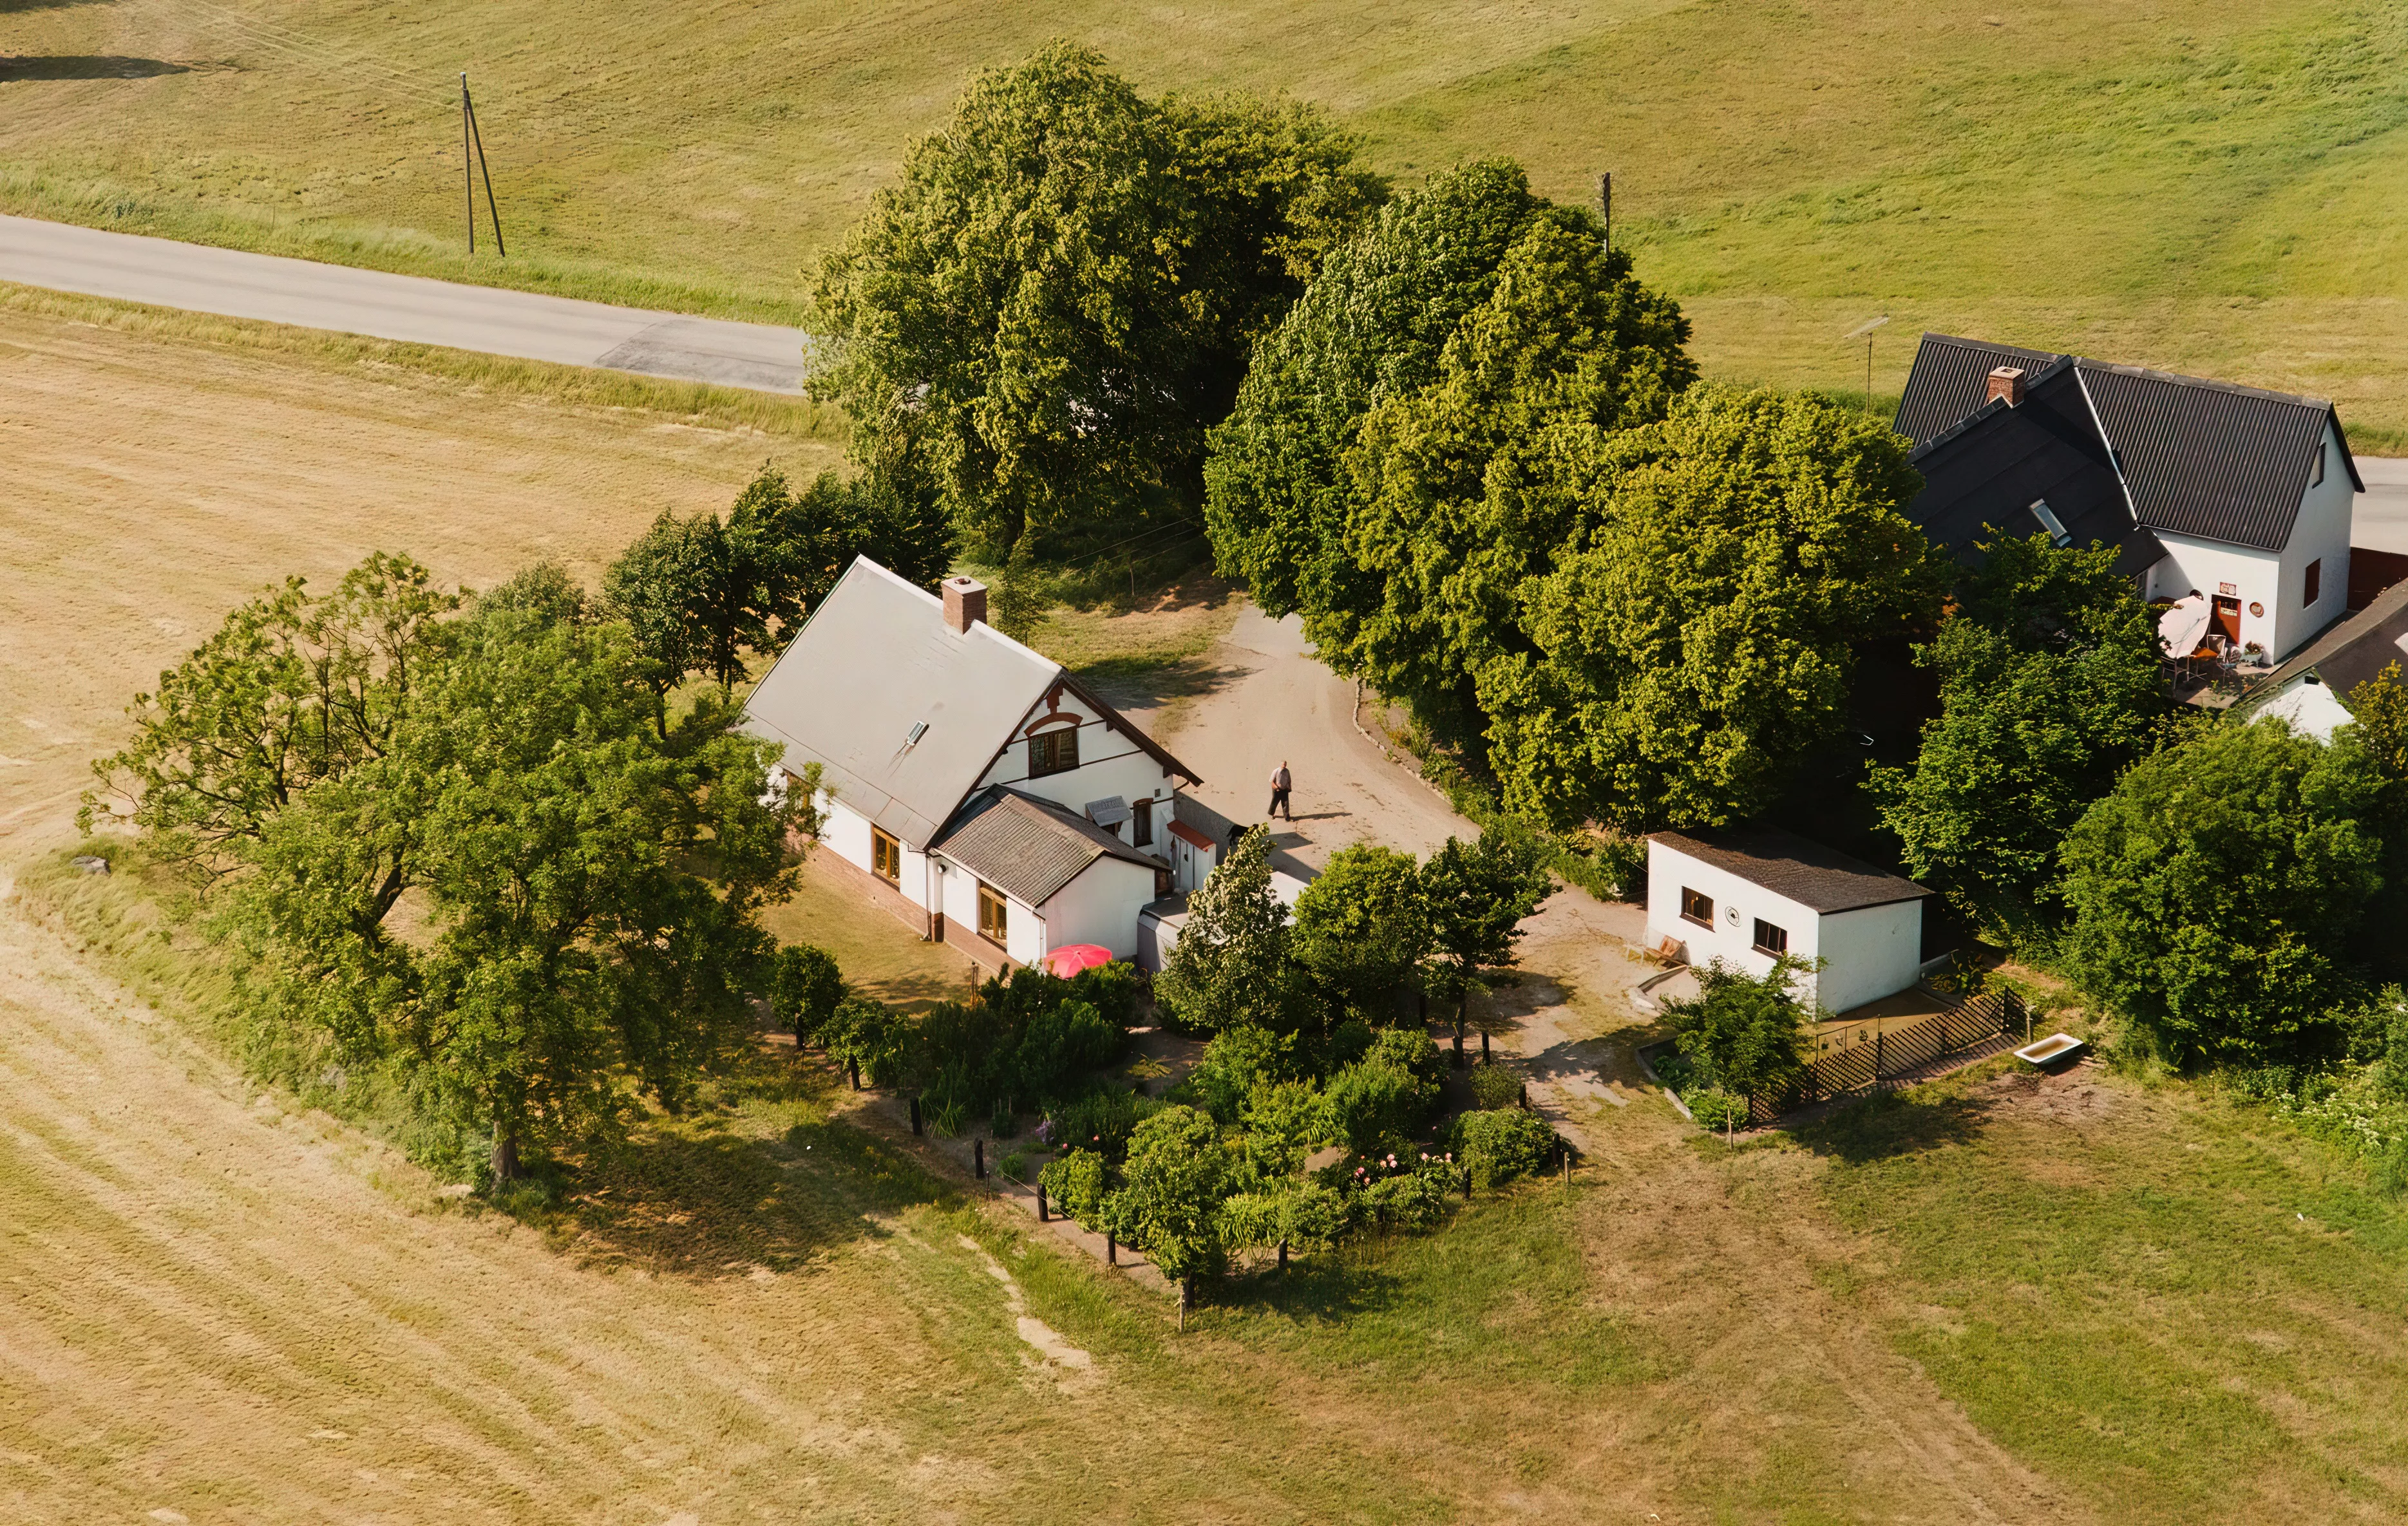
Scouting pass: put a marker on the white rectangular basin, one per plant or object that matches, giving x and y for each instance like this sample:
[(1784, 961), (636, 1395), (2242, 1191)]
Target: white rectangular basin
[(2049, 1050)]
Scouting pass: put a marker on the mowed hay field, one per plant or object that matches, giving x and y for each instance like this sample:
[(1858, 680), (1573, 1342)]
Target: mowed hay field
[(2208, 185)]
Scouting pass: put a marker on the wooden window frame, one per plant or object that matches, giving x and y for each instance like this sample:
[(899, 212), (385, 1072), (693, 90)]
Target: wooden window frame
[(886, 856), (2314, 586), (1690, 901), (1777, 945), (995, 928), (1053, 751)]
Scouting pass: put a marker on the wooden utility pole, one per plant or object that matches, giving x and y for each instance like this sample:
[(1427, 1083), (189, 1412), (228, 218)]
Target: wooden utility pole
[(472, 140)]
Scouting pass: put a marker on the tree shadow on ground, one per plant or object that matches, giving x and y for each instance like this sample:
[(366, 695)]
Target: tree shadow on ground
[(1328, 1290), (14, 8), (85, 65), (698, 1197), (1892, 1123), (1131, 684)]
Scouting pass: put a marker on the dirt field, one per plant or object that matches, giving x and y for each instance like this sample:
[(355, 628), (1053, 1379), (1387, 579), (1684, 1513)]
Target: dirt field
[(149, 486)]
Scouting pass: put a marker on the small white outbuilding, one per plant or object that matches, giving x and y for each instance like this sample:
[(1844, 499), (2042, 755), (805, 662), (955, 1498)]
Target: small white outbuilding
[(1747, 895)]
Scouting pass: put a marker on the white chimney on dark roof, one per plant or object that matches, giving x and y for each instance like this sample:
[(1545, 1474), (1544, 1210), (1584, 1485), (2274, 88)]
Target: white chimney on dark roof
[(964, 603), (2007, 381)]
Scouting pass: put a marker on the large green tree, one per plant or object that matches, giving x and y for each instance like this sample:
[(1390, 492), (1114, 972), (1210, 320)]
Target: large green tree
[(1055, 300), (290, 690), (1700, 643), (2216, 890), (592, 888), (1374, 326), (2050, 687)]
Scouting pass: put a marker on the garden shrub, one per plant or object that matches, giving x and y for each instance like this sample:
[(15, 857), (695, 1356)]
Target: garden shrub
[(1077, 1183), (1501, 1145), (1284, 1120), (870, 1035), (1410, 1048), (1377, 1105), (1715, 1109), (1416, 1199), (1061, 1044), (1236, 1062), (1303, 1216), (1101, 1119), (1348, 1042), (1493, 1086)]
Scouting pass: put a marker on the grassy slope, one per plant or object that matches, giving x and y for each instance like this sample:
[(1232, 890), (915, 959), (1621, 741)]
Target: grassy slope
[(2192, 183)]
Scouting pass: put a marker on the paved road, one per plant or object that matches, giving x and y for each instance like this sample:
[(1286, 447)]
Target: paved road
[(2380, 518), (411, 308)]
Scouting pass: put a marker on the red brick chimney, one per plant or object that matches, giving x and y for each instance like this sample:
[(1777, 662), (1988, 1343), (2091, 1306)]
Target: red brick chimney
[(964, 603), (2007, 381)]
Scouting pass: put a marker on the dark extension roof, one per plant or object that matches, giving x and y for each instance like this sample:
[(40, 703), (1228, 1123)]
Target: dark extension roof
[(2354, 650), (1950, 380), (2209, 459), (1028, 847), (2188, 457), (1820, 878), (1981, 476)]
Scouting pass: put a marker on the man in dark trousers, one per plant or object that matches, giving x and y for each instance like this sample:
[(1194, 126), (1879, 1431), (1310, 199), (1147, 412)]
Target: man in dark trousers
[(1279, 793)]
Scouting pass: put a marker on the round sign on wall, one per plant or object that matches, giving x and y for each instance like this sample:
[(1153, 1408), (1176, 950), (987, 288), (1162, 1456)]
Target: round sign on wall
[(2256, 611), (1730, 914)]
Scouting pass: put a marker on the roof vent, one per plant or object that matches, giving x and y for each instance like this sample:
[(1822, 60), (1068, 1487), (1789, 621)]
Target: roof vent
[(2007, 381), (2059, 535), (918, 728), (965, 603)]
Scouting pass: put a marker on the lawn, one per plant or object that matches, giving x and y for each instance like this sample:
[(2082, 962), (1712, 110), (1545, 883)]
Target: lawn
[(2199, 184)]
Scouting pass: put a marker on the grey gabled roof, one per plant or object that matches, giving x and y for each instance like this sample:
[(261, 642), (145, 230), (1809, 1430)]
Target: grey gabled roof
[(1028, 847), (1951, 380), (875, 659), (2209, 459), (1820, 878)]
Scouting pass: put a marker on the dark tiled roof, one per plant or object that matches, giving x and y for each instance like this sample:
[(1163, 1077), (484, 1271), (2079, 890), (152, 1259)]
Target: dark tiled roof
[(2208, 458), (1981, 476), (2351, 651), (1027, 848), (1951, 380), (1820, 878)]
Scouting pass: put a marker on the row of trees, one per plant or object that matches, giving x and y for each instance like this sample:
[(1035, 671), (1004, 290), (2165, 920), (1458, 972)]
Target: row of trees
[(464, 849)]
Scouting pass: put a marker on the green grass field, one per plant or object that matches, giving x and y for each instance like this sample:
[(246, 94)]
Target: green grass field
[(2208, 185)]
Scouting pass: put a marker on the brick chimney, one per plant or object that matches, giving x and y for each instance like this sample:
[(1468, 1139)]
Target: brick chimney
[(964, 603), (2007, 381)]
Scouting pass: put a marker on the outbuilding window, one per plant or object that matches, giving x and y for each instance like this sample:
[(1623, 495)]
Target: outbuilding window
[(993, 922), (1771, 939), (885, 855), (2315, 583), (1054, 752), (2316, 473), (1696, 907)]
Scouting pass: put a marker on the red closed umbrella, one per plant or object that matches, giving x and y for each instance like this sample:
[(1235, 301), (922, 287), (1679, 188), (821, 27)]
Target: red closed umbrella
[(1070, 959)]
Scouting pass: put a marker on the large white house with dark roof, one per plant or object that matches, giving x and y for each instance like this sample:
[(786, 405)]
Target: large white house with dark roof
[(2240, 497), (986, 795)]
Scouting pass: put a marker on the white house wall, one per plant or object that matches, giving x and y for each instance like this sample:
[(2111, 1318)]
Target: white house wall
[(2275, 582), (1874, 952), (1100, 906), (1732, 941), (2205, 566), (1110, 763)]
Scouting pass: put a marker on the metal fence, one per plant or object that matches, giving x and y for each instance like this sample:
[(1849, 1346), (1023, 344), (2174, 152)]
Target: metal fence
[(1867, 1064)]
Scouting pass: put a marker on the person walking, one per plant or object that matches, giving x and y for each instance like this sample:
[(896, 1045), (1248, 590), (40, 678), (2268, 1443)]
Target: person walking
[(1279, 793)]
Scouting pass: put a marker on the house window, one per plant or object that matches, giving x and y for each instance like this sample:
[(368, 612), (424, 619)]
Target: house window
[(1771, 939), (885, 856), (1141, 825), (1696, 908), (1054, 752), (2317, 473), (2315, 584), (993, 923)]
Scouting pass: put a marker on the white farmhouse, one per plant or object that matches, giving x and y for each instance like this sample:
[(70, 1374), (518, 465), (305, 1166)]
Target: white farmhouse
[(2241, 497), (986, 796), (1746, 896)]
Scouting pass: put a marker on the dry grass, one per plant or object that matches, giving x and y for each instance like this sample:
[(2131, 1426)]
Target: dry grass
[(2202, 184)]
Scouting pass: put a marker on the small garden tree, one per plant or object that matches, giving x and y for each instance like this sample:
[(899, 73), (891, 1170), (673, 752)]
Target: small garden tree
[(1231, 966), (805, 987), (1747, 1033), (1476, 897), (1362, 929), (1173, 1184)]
